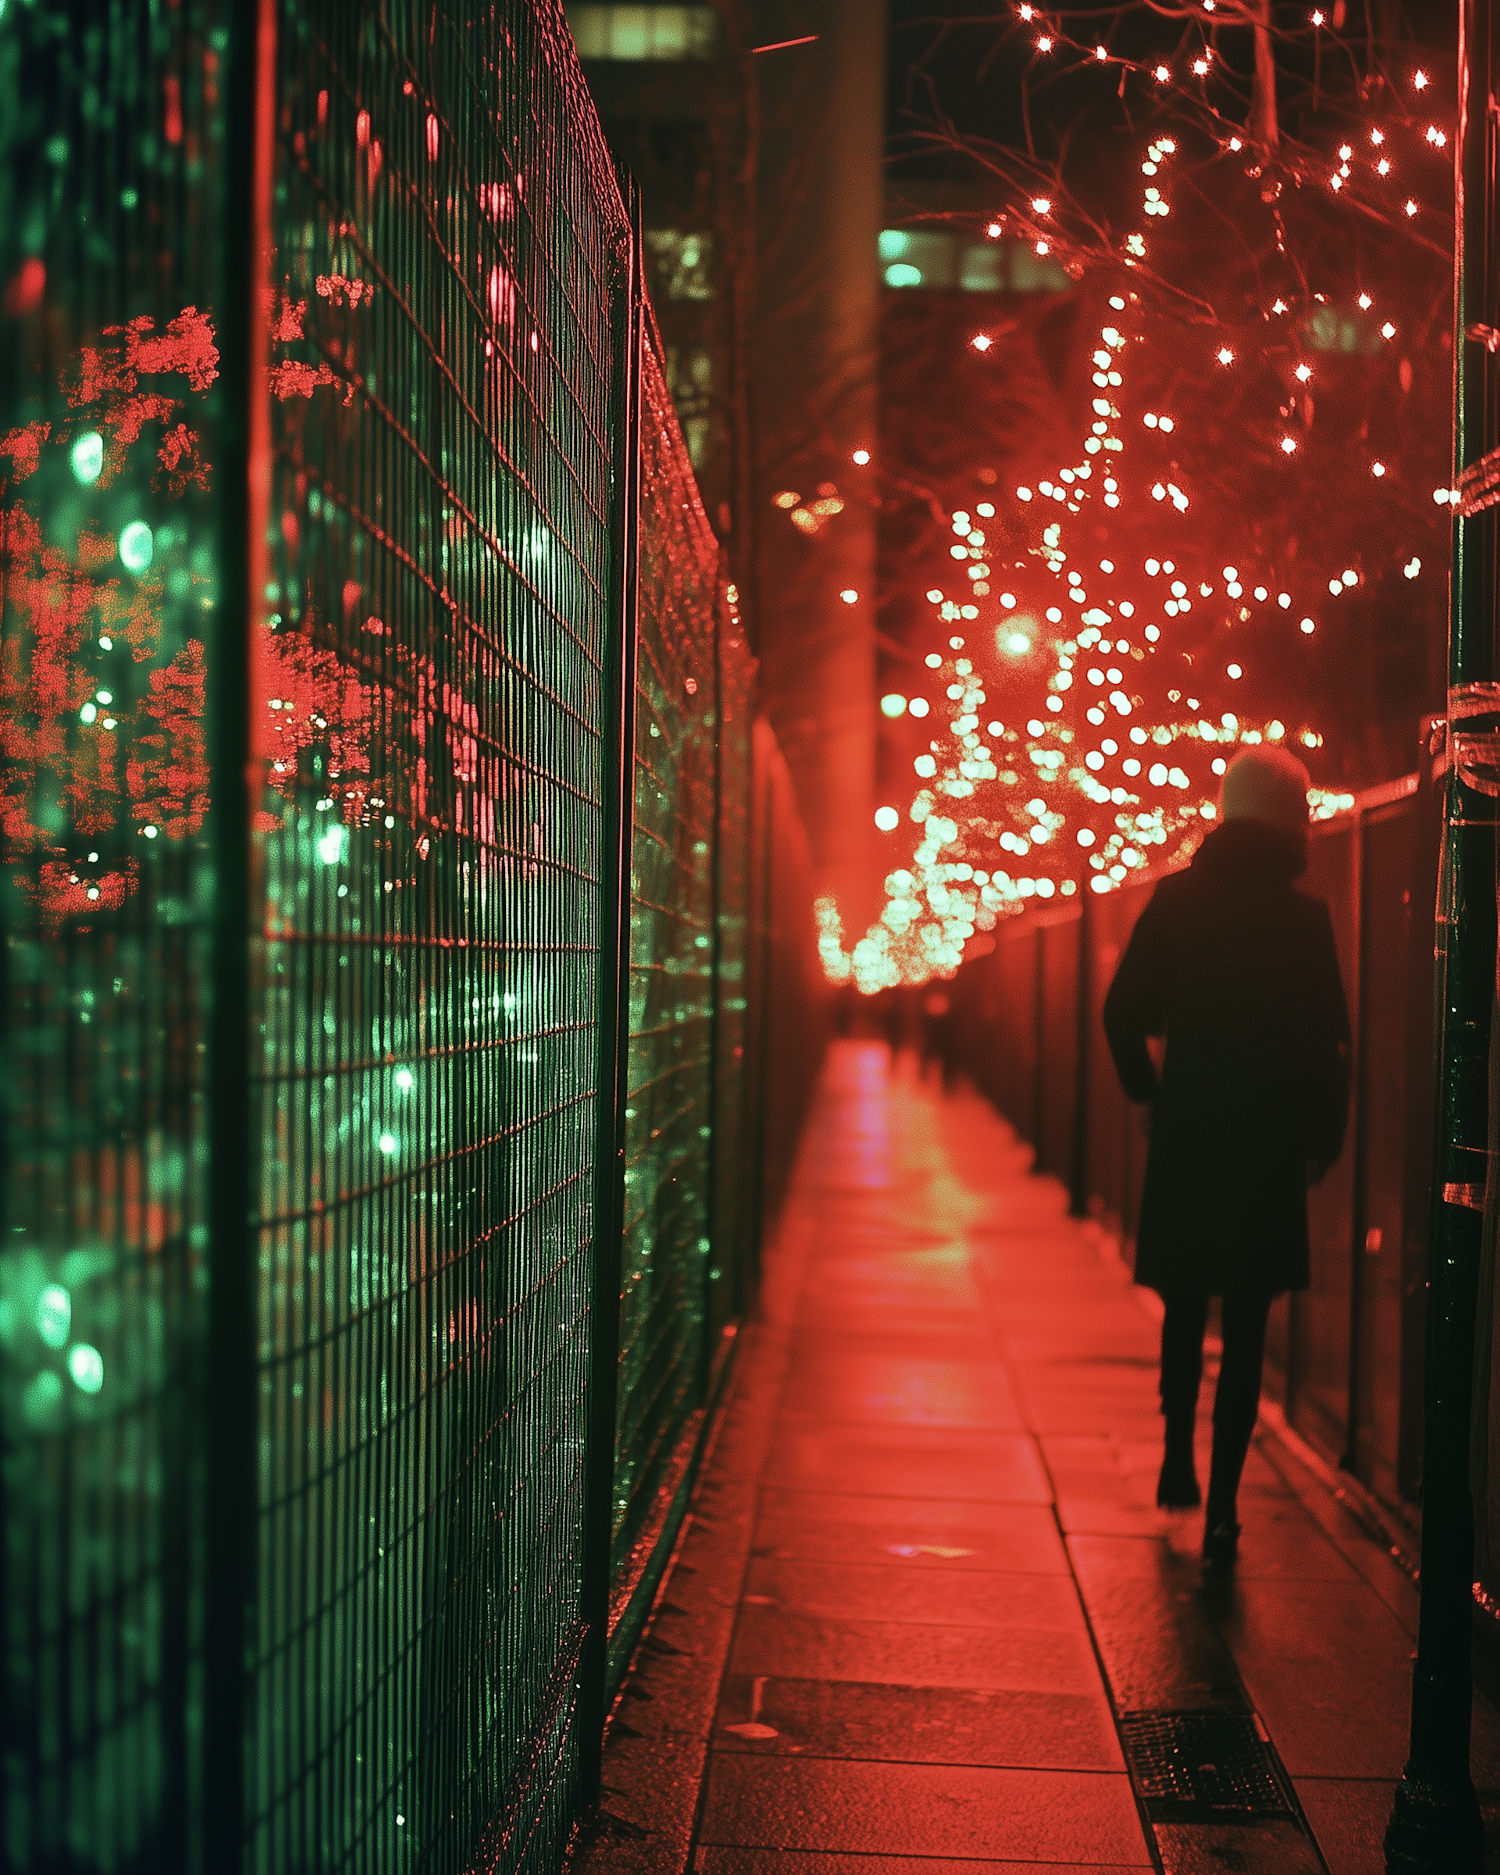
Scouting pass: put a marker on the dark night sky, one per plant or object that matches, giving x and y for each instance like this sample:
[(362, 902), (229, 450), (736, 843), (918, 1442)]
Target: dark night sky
[(973, 54)]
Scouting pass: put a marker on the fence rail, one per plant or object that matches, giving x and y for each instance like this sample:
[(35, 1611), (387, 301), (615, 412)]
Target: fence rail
[(385, 1148), (1026, 1025)]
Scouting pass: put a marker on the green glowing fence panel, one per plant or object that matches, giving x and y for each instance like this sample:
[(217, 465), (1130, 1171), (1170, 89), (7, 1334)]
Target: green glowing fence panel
[(669, 1115), (112, 177), (448, 263)]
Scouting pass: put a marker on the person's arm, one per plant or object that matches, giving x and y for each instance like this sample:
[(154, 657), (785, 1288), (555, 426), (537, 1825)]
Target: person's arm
[(1136, 1006), (1326, 1027)]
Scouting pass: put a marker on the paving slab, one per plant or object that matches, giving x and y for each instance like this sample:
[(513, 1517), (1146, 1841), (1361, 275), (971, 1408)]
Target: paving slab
[(914, 1724), (913, 1653), (886, 1381), (890, 1590), (1330, 1674), (1161, 1649), (1272, 1847), (1348, 1817), (717, 1861), (922, 1810), (905, 1461), (919, 1532)]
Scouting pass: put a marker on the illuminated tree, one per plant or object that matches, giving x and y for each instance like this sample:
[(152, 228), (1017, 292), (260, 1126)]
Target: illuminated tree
[(1236, 550)]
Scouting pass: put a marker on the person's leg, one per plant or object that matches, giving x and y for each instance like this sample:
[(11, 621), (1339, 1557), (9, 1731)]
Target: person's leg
[(1182, 1328), (1236, 1404)]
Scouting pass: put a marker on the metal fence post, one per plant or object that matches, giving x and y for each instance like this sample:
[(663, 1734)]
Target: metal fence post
[(1359, 1204), (1435, 1822), (759, 986), (1039, 1045), (1078, 1205), (715, 977), (613, 1019), (228, 1375)]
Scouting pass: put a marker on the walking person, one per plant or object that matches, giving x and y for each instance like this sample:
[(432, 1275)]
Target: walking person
[(1236, 971)]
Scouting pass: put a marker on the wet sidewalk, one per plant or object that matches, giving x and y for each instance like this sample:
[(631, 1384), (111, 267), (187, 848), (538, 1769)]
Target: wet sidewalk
[(925, 1615)]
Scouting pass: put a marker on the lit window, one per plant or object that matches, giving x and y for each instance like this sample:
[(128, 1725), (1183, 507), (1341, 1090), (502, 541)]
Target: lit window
[(683, 262), (949, 261), (980, 269), (644, 32)]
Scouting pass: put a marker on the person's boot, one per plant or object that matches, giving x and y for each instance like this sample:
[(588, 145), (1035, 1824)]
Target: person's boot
[(1221, 1529), (1221, 1538), (1177, 1488)]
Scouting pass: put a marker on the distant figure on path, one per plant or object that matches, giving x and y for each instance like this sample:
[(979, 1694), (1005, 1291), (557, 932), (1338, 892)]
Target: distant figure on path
[(1237, 970)]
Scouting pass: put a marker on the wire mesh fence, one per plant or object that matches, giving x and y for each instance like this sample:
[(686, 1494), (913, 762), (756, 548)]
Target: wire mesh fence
[(669, 1110), (393, 1609), (444, 443)]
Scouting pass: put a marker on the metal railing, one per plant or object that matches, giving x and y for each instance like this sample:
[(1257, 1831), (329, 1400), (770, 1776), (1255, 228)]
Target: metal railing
[(396, 873)]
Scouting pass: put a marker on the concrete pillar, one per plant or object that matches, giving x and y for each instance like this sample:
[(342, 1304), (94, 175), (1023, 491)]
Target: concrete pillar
[(814, 367)]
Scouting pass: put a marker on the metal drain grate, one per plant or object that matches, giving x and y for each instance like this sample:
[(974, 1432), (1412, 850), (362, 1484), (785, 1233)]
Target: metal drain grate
[(1203, 1766)]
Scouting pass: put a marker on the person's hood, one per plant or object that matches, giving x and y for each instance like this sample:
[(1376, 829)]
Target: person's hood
[(1254, 849)]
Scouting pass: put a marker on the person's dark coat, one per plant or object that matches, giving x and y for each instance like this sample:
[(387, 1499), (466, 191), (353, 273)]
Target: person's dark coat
[(1238, 971)]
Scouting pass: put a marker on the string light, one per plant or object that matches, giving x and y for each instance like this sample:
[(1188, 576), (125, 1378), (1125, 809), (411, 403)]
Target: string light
[(1083, 780)]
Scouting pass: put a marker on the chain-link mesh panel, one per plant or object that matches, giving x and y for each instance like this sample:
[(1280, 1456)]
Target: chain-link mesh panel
[(448, 269), (112, 167), (669, 1112)]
